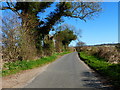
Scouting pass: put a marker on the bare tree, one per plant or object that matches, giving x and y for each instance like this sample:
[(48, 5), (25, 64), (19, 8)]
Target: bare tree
[(10, 33), (17, 44), (80, 43)]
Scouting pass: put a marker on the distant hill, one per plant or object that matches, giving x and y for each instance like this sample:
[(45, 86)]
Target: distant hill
[(109, 44)]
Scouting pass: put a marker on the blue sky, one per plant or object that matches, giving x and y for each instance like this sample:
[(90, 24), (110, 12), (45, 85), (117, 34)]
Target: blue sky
[(103, 29)]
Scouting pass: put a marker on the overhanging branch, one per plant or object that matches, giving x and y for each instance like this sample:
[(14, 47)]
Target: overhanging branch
[(4, 8)]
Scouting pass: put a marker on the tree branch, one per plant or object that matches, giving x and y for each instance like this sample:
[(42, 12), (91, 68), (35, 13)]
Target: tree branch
[(4, 8), (87, 14), (76, 17)]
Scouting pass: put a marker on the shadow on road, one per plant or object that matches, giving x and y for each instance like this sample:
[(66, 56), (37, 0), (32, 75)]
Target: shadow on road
[(92, 81)]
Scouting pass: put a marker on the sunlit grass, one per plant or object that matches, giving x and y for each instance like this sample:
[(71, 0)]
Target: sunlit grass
[(14, 67), (111, 71)]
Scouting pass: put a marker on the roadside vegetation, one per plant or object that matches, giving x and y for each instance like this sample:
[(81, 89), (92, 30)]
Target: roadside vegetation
[(27, 38), (110, 53), (17, 66), (99, 58)]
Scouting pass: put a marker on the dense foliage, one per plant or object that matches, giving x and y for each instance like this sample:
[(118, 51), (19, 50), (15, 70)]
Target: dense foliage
[(64, 36), (109, 53), (32, 32)]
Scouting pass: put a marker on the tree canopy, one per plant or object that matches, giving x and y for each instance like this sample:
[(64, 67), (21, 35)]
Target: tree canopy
[(81, 10), (34, 29), (65, 35)]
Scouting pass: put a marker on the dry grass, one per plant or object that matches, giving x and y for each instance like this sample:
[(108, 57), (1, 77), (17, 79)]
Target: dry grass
[(109, 53)]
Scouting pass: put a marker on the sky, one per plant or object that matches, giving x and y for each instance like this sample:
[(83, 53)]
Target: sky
[(102, 30)]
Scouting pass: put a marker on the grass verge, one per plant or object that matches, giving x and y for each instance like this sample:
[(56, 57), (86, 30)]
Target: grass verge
[(110, 71), (14, 67)]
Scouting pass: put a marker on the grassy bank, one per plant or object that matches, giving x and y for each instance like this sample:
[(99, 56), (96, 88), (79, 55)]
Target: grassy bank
[(14, 67), (110, 71)]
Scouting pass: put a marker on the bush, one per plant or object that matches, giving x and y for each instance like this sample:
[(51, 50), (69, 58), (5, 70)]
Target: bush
[(111, 71), (109, 54)]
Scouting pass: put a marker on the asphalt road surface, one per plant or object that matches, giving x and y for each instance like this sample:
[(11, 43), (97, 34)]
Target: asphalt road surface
[(66, 72)]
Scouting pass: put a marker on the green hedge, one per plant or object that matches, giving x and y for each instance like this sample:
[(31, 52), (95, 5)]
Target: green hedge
[(14, 67), (111, 71)]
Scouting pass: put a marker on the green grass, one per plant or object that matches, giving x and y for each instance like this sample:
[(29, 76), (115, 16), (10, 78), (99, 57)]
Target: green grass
[(111, 71), (14, 67)]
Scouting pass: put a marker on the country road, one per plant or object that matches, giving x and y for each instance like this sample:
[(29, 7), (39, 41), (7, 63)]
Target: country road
[(66, 72)]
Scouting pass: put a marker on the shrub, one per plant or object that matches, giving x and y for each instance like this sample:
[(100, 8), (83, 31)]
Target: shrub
[(111, 71), (109, 53)]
